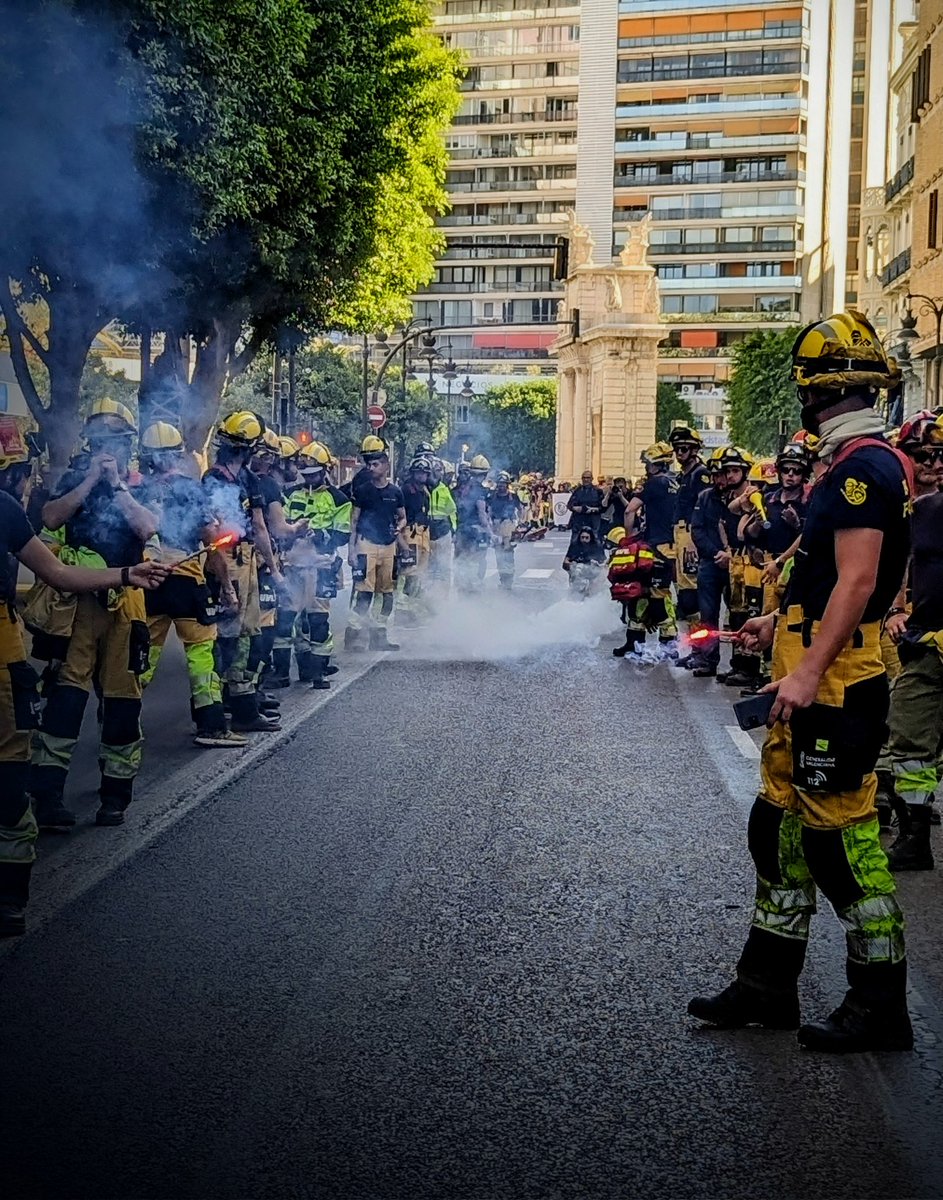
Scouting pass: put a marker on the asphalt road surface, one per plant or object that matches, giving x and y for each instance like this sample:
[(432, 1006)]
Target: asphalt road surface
[(437, 941)]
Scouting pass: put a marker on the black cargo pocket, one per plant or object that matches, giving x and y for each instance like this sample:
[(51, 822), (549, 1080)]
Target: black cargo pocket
[(139, 645), (834, 748), (24, 686), (267, 597)]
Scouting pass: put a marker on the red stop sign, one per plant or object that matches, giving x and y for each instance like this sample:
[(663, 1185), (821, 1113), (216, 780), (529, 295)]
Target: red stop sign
[(376, 416)]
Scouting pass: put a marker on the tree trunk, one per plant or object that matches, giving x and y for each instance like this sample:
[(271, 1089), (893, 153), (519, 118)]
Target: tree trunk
[(216, 363)]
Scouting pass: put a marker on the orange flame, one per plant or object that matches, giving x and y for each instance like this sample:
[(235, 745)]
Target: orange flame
[(226, 540)]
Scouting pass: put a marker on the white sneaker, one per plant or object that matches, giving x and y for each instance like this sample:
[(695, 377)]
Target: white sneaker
[(221, 739)]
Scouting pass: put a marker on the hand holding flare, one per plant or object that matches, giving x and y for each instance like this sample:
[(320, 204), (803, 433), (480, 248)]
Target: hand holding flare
[(221, 543)]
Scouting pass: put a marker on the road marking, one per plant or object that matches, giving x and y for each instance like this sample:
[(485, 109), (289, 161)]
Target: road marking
[(744, 743), (534, 573), (70, 875)]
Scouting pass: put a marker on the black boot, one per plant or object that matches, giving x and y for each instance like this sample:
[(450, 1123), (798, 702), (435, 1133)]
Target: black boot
[(318, 682), (912, 851), (632, 643), (305, 660), (740, 1005), (14, 895), (379, 639), (353, 643), (280, 675), (247, 718), (873, 1015), (51, 814), (114, 797)]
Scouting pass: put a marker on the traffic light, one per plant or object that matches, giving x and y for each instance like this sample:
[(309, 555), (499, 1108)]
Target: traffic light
[(304, 438)]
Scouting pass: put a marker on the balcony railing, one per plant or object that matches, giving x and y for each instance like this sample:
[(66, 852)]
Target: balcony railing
[(514, 185), (550, 50), (670, 249), (505, 13), (541, 82), (732, 71), (495, 252), (502, 352), (900, 180), (694, 141), (896, 267), (734, 315), (454, 219), (695, 351), (732, 283), (515, 118), (533, 149), (631, 7), (706, 108), (759, 34), (657, 181), (540, 287), (740, 213)]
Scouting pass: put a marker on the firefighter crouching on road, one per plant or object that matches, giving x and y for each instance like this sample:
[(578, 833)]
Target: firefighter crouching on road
[(19, 698), (183, 602), (691, 480), (313, 571), (96, 521), (814, 823), (914, 744), (377, 527), (235, 499)]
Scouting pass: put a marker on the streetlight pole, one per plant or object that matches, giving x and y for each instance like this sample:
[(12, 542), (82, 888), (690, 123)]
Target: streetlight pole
[(932, 305)]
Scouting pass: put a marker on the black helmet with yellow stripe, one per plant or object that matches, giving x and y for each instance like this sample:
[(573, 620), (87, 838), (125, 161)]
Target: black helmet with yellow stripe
[(839, 355)]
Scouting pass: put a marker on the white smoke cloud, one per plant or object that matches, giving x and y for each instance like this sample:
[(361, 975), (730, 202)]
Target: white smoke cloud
[(494, 626)]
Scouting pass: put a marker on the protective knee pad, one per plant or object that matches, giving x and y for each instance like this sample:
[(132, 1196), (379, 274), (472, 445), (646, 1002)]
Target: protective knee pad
[(362, 602), (827, 857), (319, 627), (121, 722), (62, 717), (226, 649), (386, 605), (256, 653), (14, 779), (763, 835), (285, 623)]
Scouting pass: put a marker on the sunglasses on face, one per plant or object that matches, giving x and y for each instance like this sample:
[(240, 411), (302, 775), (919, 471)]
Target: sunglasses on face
[(928, 456), (790, 470)]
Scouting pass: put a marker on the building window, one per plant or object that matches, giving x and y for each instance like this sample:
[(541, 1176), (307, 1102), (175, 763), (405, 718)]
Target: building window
[(933, 216), (920, 85)]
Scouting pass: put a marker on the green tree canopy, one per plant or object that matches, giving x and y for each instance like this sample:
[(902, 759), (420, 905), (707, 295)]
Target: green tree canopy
[(761, 393), (670, 408), (213, 170), (519, 424)]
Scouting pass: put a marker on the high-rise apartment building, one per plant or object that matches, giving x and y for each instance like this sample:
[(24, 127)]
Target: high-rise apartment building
[(730, 124)]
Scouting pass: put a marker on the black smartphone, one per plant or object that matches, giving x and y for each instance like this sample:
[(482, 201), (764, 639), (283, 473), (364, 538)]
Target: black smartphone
[(753, 711)]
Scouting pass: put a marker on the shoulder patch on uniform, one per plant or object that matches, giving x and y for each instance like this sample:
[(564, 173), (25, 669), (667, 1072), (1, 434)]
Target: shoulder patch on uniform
[(854, 492)]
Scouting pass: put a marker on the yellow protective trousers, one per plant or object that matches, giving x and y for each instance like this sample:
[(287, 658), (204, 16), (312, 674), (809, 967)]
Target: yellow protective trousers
[(18, 707), (414, 576), (686, 574), (197, 641), (235, 634), (814, 823), (108, 648)]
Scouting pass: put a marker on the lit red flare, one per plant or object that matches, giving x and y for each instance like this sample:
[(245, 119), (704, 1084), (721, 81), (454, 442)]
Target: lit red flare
[(222, 542), (720, 635)]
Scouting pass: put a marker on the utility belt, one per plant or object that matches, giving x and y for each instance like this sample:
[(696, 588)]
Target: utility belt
[(242, 553), (439, 527)]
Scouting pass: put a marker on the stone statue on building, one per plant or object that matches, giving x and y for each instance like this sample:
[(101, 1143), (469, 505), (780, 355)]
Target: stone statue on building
[(635, 251), (582, 243)]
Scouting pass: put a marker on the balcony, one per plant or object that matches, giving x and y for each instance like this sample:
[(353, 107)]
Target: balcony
[(896, 267), (750, 213), (532, 149), (900, 181), (695, 141), (671, 249), (784, 176), (506, 13), (550, 50), (758, 34), (457, 221), (541, 83), (523, 118), (694, 351), (731, 283), (743, 316), (514, 185), (660, 7), (734, 71), (501, 352), (490, 253), (706, 108), (540, 287)]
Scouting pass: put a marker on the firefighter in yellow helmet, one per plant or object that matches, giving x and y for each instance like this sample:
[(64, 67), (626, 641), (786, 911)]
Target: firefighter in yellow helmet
[(93, 519), (473, 532), (745, 573), (655, 503), (19, 698), (814, 823), (442, 524), (692, 479), (183, 602), (236, 501), (377, 529)]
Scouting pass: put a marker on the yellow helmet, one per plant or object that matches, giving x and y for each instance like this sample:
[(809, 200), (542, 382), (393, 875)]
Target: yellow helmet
[(684, 435), (314, 457), (658, 452), (288, 447), (271, 442), (840, 352), (372, 444), (763, 471), (161, 436), (13, 446), (715, 457), (243, 428), (735, 456), (479, 463), (110, 415), (616, 535)]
